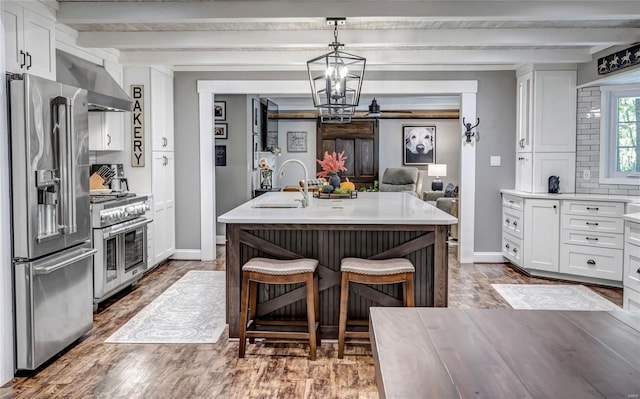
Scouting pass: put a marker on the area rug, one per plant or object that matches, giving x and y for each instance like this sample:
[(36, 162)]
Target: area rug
[(553, 297), (192, 310)]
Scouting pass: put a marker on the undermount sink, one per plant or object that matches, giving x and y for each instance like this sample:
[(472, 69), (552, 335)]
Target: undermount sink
[(267, 205)]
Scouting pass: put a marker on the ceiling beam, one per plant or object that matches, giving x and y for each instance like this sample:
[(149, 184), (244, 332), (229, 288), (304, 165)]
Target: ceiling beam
[(361, 38), (210, 11), (418, 58)]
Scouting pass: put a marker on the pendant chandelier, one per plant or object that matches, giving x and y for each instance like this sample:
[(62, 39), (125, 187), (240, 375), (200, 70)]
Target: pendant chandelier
[(336, 80)]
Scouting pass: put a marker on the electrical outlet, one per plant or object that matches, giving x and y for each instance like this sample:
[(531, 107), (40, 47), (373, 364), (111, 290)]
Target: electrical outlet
[(586, 174)]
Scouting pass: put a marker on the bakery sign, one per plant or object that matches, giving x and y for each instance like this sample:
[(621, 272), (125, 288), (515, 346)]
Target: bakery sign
[(137, 126), (619, 60)]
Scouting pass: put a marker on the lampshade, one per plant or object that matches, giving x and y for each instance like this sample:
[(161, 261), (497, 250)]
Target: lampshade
[(336, 80), (437, 169)]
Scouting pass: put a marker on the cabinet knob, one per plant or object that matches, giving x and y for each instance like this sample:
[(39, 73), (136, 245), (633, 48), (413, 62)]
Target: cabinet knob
[(591, 262), (592, 208), (108, 139), (30, 63), (507, 246), (592, 223), (24, 59), (638, 271), (507, 221), (515, 222), (515, 250), (555, 207), (591, 238)]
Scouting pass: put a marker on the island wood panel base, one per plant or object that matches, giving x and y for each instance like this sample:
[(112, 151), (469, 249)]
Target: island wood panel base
[(424, 245), (505, 353)]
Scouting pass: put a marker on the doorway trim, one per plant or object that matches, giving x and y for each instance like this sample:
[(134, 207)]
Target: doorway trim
[(466, 89)]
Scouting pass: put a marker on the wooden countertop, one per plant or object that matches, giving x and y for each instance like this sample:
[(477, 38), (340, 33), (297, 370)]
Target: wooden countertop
[(505, 353)]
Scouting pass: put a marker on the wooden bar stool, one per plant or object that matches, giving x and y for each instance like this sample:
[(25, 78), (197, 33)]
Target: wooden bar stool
[(366, 271), (274, 271)]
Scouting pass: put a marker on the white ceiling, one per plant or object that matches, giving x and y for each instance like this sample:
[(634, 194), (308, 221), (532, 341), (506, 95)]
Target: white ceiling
[(391, 34)]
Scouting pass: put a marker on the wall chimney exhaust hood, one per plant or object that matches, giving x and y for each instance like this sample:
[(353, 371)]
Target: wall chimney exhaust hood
[(104, 93)]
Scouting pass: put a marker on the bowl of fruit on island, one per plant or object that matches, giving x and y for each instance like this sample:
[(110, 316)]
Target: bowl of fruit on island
[(346, 189)]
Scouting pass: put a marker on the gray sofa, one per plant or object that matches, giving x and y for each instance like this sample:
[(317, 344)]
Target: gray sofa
[(442, 199)]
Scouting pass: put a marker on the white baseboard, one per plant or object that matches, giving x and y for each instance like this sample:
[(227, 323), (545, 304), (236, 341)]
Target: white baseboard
[(222, 239), (488, 257), (187, 254)]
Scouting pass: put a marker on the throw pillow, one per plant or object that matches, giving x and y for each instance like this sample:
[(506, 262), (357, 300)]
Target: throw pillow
[(448, 191)]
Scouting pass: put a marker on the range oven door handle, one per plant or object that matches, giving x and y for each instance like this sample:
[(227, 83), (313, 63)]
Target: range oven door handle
[(128, 227), (76, 256)]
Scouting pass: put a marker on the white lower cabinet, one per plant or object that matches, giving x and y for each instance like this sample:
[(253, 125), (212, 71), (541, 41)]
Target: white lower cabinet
[(541, 234), (512, 249), (163, 175), (631, 272), (631, 300), (591, 262), (571, 237)]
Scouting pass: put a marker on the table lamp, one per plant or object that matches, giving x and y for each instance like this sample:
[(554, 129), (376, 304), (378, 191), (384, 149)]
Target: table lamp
[(438, 170)]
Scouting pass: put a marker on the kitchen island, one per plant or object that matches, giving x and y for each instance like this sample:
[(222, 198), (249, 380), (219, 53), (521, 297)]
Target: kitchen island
[(374, 226)]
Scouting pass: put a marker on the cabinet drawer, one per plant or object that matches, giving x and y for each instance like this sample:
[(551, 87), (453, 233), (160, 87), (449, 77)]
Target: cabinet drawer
[(631, 299), (593, 224), (632, 233), (609, 209), (512, 202), (591, 262), (593, 239), (512, 221), (512, 249), (632, 266)]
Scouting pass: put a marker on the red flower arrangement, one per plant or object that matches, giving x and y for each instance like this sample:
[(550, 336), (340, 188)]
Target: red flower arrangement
[(332, 163)]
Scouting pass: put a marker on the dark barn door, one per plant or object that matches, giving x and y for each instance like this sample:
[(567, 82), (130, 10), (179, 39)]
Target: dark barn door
[(359, 141)]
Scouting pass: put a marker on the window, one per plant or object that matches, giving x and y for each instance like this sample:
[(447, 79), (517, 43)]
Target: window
[(619, 128)]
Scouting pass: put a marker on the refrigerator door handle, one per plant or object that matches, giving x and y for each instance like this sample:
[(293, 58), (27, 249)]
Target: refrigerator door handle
[(82, 253), (67, 149)]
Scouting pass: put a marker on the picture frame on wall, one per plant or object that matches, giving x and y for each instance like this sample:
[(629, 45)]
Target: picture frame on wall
[(220, 131), (219, 110), (255, 116), (296, 141), (256, 149), (419, 145), (221, 155)]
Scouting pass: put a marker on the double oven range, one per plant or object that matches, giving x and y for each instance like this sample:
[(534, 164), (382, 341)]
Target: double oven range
[(120, 238)]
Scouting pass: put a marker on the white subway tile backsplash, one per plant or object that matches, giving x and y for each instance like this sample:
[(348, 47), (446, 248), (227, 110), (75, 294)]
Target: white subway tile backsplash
[(588, 146)]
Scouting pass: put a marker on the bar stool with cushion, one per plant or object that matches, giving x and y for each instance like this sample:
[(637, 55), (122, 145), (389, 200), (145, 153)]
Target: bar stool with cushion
[(367, 271), (274, 271)]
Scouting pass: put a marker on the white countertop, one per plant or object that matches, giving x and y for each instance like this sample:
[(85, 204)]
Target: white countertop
[(368, 208), (574, 196), (632, 217)]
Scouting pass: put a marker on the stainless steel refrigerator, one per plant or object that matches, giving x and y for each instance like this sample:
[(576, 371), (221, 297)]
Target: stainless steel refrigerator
[(52, 254)]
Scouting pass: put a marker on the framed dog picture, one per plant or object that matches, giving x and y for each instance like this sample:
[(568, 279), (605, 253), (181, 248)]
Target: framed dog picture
[(419, 145), (219, 110)]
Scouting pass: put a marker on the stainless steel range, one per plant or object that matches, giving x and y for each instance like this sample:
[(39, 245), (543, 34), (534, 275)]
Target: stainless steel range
[(120, 237)]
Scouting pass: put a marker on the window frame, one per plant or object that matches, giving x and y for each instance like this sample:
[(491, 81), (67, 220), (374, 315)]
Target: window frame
[(608, 135)]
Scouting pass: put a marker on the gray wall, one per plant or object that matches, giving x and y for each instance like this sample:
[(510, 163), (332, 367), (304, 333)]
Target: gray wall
[(496, 109), (588, 147), (588, 72), (231, 180)]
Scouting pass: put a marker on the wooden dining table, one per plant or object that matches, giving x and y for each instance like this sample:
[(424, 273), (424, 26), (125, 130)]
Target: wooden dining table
[(505, 353)]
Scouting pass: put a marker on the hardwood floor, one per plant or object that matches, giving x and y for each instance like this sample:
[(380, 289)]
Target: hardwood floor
[(94, 369)]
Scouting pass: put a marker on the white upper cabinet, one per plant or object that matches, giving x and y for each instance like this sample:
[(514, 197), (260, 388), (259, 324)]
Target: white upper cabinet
[(29, 41), (161, 111), (524, 107), (546, 111), (106, 129)]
